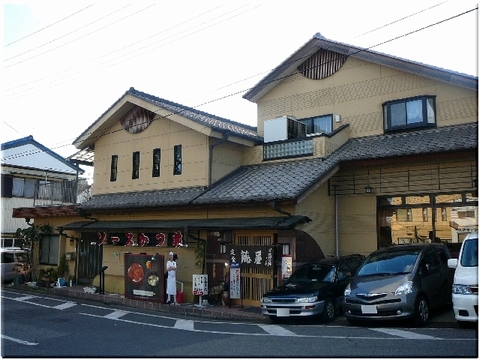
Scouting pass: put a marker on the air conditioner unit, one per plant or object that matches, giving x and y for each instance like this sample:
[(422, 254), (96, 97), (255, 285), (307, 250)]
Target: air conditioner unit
[(283, 128)]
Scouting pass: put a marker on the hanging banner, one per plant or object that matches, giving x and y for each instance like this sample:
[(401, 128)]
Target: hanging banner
[(235, 279), (286, 266), (200, 284)]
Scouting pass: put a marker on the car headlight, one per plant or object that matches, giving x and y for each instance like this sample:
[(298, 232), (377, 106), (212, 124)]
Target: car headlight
[(310, 299), (266, 300), (462, 289), (347, 291), (405, 288)]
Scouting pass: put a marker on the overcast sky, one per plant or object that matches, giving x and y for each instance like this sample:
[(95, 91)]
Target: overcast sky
[(66, 62)]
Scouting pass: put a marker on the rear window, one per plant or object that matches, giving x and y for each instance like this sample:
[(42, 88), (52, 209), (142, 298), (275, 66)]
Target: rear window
[(7, 258), (389, 263), (470, 253)]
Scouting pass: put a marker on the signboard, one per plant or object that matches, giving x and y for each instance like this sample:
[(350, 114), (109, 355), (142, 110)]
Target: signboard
[(200, 284), (144, 277), (235, 278), (286, 266), (254, 256)]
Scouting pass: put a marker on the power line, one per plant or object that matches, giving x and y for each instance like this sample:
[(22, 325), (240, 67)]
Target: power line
[(294, 73), (46, 27)]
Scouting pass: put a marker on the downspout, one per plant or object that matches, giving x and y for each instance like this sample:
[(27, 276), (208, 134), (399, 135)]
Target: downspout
[(336, 220), (275, 207), (210, 155)]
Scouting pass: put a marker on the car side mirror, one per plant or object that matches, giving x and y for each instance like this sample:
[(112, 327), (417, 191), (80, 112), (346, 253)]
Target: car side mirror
[(452, 263)]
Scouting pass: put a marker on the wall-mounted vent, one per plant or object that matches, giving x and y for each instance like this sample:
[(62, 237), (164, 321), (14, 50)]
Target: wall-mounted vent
[(283, 128), (322, 64)]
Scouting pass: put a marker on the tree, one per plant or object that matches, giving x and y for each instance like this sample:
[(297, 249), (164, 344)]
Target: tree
[(29, 238)]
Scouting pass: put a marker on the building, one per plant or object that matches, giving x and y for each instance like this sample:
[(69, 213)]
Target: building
[(33, 176), (353, 150)]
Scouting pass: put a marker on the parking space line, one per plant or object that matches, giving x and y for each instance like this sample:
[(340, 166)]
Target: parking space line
[(23, 298), (277, 330), (116, 314), (65, 306), (23, 342), (405, 334), (184, 324)]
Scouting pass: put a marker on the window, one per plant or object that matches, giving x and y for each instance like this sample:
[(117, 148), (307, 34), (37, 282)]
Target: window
[(136, 165), (319, 124), (23, 187), (404, 214), (113, 168), (49, 250), (177, 159), (156, 163), (425, 214), (409, 113)]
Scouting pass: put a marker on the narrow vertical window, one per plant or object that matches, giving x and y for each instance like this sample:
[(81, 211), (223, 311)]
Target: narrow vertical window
[(156, 163), (136, 165), (113, 168), (177, 158)]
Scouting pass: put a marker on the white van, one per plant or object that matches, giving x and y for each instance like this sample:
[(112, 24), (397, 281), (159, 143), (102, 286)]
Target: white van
[(465, 282), (14, 263)]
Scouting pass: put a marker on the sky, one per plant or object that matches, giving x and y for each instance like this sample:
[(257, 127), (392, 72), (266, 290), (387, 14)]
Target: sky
[(66, 62)]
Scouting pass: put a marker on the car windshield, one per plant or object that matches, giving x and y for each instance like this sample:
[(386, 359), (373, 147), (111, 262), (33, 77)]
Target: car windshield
[(470, 253), (389, 263), (314, 273)]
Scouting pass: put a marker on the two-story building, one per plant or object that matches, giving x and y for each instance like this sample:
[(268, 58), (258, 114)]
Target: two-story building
[(353, 150)]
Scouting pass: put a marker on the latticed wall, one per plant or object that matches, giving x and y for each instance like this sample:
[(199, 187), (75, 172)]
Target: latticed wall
[(436, 175), (255, 281)]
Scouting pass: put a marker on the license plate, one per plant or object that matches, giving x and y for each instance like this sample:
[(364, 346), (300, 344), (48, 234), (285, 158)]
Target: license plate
[(283, 312), (369, 309)]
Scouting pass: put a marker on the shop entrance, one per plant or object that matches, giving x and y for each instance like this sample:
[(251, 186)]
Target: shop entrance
[(255, 281)]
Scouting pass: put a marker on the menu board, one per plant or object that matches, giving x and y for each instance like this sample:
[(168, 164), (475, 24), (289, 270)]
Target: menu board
[(235, 277), (144, 278), (200, 284)]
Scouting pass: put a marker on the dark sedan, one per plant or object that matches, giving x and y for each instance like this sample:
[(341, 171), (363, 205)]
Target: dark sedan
[(314, 289)]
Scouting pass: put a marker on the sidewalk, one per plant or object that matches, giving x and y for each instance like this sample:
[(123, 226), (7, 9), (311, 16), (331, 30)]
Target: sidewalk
[(248, 313), (440, 319)]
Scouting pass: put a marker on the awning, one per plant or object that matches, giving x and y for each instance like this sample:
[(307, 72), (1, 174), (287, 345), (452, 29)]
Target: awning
[(286, 222)]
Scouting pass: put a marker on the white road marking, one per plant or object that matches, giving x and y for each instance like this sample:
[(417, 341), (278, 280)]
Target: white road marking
[(184, 324), (67, 305), (405, 334), (23, 298), (23, 342), (277, 330), (117, 314)]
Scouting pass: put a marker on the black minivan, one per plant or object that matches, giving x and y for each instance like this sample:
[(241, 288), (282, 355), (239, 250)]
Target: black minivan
[(400, 282), (314, 289)]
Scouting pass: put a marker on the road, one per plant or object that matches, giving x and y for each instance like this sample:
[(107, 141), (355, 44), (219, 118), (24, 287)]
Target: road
[(48, 326)]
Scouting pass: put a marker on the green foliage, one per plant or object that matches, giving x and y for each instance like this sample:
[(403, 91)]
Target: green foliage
[(200, 252), (29, 236), (62, 268), (49, 274)]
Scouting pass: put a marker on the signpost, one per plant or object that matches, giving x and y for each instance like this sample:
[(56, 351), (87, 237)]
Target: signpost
[(235, 283)]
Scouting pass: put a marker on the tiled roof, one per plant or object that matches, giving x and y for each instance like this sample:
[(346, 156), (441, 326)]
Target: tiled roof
[(209, 120), (288, 180), (141, 199)]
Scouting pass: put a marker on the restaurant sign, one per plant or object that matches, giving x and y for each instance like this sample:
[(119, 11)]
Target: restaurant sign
[(253, 256)]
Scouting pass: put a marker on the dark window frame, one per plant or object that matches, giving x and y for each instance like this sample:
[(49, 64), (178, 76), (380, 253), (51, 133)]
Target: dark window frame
[(400, 114), (136, 165), (156, 158), (113, 168), (49, 250), (177, 160), (310, 124)]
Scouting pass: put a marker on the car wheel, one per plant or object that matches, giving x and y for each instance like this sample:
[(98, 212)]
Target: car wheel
[(421, 315), (328, 311)]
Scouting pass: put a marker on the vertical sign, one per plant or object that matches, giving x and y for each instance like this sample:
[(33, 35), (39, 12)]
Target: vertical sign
[(200, 284), (235, 277), (286, 266)]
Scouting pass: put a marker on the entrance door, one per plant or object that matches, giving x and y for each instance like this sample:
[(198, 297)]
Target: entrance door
[(89, 259), (255, 281)]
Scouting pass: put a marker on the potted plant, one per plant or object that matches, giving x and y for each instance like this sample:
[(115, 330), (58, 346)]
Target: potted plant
[(48, 275)]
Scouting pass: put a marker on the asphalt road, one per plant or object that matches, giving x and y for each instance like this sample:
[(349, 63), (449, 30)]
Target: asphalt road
[(41, 325)]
